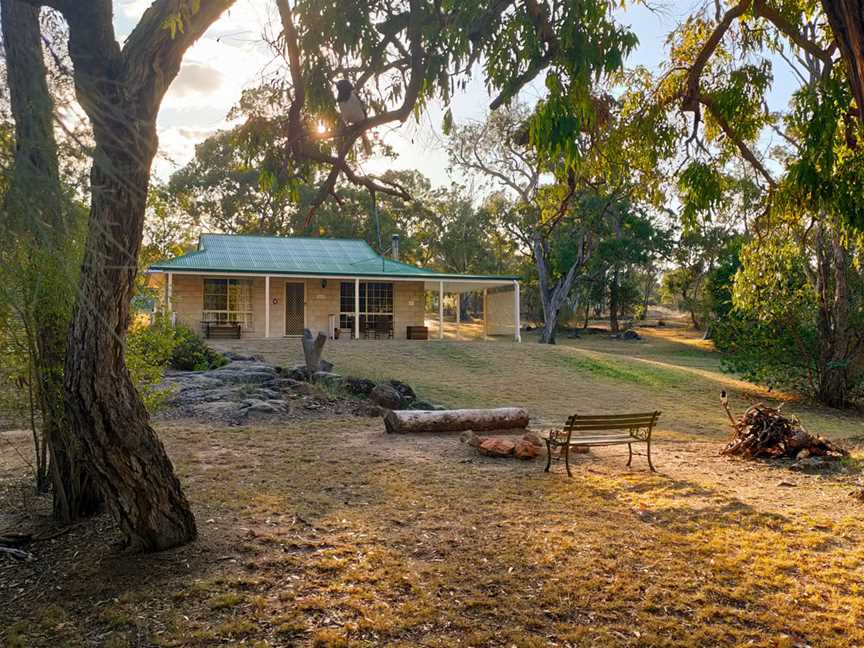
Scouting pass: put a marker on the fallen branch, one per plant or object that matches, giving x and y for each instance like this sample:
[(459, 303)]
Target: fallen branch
[(18, 554), (763, 432)]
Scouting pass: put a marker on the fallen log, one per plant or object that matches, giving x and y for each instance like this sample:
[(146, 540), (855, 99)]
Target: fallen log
[(411, 421)]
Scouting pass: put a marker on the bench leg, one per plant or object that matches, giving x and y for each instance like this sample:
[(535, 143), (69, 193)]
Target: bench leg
[(567, 459), (630, 450), (648, 452), (548, 455)]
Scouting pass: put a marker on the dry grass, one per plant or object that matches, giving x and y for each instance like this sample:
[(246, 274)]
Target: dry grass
[(330, 533), (338, 535), (672, 370)]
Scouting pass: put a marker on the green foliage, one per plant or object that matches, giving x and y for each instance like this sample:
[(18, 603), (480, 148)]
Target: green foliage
[(789, 329), (701, 188), (828, 174), (153, 347), (775, 354), (190, 353)]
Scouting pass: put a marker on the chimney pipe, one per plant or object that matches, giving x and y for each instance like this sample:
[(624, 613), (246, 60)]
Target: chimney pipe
[(394, 247)]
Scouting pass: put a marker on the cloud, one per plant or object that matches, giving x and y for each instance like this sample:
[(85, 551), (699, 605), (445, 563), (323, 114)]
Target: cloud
[(196, 78)]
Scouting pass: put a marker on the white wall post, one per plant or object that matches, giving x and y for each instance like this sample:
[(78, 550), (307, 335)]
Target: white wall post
[(458, 314), (518, 336), (169, 298), (440, 310), (485, 314), (357, 309), (267, 306)]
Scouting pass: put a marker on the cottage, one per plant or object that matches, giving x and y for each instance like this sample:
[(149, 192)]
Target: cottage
[(267, 286)]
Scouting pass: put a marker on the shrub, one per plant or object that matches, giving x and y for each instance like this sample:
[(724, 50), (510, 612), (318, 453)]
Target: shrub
[(190, 353), (150, 348)]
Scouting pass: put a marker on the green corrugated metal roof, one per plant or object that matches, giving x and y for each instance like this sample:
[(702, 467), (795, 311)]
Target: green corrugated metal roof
[(227, 253)]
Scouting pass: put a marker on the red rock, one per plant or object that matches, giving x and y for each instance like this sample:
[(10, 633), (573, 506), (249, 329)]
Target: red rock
[(526, 450), (495, 447), (533, 439)]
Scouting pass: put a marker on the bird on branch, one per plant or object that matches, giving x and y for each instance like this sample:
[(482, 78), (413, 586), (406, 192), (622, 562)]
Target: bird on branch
[(352, 108)]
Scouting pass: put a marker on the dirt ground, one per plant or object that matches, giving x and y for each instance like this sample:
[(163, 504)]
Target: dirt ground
[(331, 533)]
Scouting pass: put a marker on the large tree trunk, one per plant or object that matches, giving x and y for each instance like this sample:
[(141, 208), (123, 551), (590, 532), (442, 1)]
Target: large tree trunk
[(121, 91), (38, 213), (107, 412), (552, 296), (846, 18), (837, 339)]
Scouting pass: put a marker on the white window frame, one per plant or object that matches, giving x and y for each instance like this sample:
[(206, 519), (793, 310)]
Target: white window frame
[(242, 311)]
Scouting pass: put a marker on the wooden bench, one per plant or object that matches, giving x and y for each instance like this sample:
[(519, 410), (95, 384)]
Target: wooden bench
[(221, 330), (417, 333), (602, 430)]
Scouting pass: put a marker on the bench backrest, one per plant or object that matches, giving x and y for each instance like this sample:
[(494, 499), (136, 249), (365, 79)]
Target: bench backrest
[(639, 425)]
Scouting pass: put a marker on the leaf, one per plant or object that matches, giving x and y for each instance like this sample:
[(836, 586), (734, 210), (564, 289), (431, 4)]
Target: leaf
[(447, 123)]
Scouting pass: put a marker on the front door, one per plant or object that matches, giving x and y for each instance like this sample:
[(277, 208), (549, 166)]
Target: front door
[(295, 310)]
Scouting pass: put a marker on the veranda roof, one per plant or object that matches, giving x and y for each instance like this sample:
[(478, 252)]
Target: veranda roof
[(274, 255)]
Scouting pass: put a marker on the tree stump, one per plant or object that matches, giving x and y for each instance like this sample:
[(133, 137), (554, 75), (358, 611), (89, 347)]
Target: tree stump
[(312, 350)]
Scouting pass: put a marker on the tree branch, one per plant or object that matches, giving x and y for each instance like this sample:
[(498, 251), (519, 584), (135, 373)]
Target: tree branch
[(746, 153), (153, 52), (690, 100)]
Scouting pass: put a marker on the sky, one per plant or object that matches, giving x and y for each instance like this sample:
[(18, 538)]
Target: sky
[(232, 56)]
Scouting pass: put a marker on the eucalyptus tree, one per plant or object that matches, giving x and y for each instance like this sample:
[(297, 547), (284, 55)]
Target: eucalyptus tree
[(120, 89), (810, 183), (403, 54), (40, 225)]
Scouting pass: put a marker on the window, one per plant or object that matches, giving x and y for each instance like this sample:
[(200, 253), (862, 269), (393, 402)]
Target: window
[(376, 306), (228, 300)]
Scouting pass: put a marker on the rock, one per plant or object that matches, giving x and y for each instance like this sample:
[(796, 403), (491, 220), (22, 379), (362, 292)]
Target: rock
[(404, 390), (231, 355), (630, 334), (533, 439), (299, 372), (358, 386), (386, 395), (421, 404), (470, 438), (243, 372), (497, 447), (526, 450), (220, 411), (328, 378)]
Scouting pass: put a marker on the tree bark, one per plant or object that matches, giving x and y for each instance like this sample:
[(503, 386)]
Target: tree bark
[(552, 296), (38, 212), (121, 91), (614, 300), (414, 421), (846, 18)]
